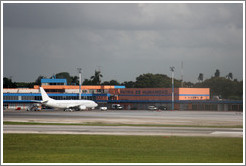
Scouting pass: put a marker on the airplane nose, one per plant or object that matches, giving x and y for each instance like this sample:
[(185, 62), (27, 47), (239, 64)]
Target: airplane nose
[(95, 104)]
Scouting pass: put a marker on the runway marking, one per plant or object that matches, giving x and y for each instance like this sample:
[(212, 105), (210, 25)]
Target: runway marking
[(232, 133)]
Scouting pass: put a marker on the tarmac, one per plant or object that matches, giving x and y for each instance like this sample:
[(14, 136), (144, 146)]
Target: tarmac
[(140, 117), (124, 130)]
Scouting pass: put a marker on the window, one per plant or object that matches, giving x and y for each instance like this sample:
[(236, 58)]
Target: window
[(55, 90), (38, 98), (10, 97), (28, 97)]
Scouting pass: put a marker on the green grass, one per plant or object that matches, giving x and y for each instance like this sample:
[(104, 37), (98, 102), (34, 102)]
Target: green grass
[(115, 124), (44, 148)]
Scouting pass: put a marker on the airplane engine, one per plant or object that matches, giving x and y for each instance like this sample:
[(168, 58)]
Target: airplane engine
[(82, 107)]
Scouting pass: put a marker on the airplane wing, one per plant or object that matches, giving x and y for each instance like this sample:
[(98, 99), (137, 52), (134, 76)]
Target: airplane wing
[(36, 101), (81, 107), (39, 101)]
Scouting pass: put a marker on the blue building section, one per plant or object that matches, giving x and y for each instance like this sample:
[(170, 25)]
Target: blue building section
[(14, 100), (178, 101), (31, 97), (193, 95), (169, 95), (54, 81), (20, 97), (119, 87)]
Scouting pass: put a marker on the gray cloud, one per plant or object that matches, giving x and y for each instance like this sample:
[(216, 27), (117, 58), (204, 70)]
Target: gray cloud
[(125, 40)]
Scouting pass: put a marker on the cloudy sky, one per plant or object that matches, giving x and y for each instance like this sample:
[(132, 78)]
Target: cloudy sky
[(122, 40)]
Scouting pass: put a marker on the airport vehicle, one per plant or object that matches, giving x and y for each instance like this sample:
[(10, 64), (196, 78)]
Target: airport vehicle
[(217, 98), (162, 108), (67, 105), (152, 107), (117, 107), (103, 108), (34, 107)]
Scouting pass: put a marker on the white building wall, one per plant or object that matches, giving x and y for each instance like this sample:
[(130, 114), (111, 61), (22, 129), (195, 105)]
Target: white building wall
[(10, 90), (71, 90), (21, 90), (29, 91)]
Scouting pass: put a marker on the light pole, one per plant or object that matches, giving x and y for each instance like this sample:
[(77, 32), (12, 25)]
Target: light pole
[(172, 70), (79, 70)]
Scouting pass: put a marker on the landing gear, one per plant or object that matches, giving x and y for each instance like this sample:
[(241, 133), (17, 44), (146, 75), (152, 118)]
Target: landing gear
[(68, 110)]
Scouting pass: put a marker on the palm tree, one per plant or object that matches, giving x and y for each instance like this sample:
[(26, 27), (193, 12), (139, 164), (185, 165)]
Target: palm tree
[(75, 80), (217, 73), (229, 76), (96, 79), (200, 77)]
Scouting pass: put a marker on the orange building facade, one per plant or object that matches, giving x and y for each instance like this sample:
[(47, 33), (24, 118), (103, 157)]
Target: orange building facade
[(164, 94)]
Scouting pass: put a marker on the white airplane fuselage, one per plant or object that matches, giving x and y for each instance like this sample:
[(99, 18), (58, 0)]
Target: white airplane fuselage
[(66, 104)]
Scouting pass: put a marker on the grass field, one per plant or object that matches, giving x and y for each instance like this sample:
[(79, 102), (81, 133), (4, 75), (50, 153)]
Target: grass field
[(41, 148)]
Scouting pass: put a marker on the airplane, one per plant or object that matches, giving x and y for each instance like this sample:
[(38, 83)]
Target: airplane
[(67, 105)]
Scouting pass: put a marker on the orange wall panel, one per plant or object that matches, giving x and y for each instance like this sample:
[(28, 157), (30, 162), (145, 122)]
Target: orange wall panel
[(194, 91)]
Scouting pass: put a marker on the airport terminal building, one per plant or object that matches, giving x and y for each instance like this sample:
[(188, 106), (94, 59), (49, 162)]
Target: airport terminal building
[(128, 98)]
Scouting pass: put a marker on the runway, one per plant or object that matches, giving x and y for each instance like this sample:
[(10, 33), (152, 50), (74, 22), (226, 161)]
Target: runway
[(198, 118), (124, 130), (192, 118)]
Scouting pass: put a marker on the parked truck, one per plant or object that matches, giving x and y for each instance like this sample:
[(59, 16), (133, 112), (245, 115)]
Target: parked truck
[(117, 107)]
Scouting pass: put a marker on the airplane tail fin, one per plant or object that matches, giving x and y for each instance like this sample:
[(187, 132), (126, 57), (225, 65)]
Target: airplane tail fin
[(44, 95)]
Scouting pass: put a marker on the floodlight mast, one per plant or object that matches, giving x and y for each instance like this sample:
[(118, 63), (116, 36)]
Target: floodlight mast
[(79, 70), (182, 74), (172, 70)]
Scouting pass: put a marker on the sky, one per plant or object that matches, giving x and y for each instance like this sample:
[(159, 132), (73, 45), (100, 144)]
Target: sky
[(122, 40)]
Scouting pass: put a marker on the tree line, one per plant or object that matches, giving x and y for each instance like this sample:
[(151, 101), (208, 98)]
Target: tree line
[(225, 87)]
